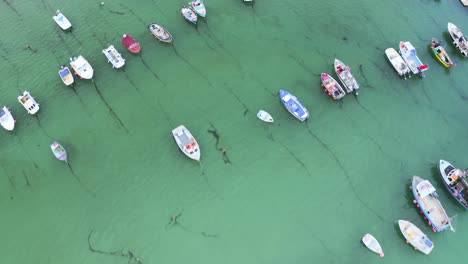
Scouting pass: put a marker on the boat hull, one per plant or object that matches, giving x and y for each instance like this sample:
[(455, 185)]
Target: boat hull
[(429, 205), (408, 52), (458, 39), (28, 102), (82, 67), (62, 21), (132, 45), (372, 244), (415, 237), (59, 152), (189, 15), (293, 105), (397, 62), (6, 119), (332, 87), (264, 116), (346, 77)]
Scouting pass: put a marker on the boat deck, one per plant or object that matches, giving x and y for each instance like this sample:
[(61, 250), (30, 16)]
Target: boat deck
[(434, 210)]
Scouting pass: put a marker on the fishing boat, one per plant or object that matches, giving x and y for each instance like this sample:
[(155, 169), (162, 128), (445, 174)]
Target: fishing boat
[(458, 39), (62, 21), (408, 52), (293, 105), (198, 7), (82, 67), (264, 116), (427, 200), (332, 87), (346, 77), (59, 151), (186, 142), (28, 102), (66, 75), (6, 119), (372, 244), (114, 57), (456, 181), (440, 53), (415, 237), (160, 33), (398, 63), (189, 15), (132, 45)]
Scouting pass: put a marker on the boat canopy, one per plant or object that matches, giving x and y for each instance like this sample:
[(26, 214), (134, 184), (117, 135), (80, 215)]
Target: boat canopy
[(425, 188), (64, 72)]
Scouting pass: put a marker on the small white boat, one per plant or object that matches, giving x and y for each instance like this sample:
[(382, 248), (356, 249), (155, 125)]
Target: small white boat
[(66, 75), (264, 116), (464, 2), (61, 20), (408, 52), (114, 57), (189, 15), (198, 7), (6, 119), (28, 102), (372, 244), (186, 142), (346, 77), (160, 33), (458, 38), (59, 152), (415, 237), (82, 67), (398, 63)]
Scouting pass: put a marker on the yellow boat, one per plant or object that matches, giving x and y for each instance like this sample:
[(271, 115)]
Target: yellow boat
[(441, 54)]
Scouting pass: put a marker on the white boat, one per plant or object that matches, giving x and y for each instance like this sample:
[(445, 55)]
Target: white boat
[(6, 119), (189, 15), (415, 237), (66, 75), (408, 52), (264, 116), (59, 152), (28, 102), (114, 57), (372, 244), (398, 63), (458, 38), (61, 20), (186, 142), (346, 77), (160, 33), (82, 67), (464, 2), (198, 7)]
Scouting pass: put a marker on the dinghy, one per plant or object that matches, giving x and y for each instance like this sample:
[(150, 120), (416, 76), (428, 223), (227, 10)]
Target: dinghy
[(160, 33), (132, 45), (198, 7), (114, 57), (186, 142), (293, 105), (415, 237), (458, 39), (59, 151), (6, 119), (66, 75), (346, 77), (264, 116), (61, 20), (332, 87), (372, 244), (427, 199), (28, 102), (82, 67), (398, 63), (440, 53), (189, 15), (456, 181), (408, 52)]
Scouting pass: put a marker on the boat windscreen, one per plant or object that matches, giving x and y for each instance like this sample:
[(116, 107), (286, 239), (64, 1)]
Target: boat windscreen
[(425, 188), (448, 169), (428, 243)]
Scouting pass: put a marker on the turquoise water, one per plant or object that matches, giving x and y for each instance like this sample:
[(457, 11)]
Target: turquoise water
[(289, 192)]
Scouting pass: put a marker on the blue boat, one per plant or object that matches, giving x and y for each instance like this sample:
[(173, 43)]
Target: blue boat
[(427, 199), (456, 181), (293, 105)]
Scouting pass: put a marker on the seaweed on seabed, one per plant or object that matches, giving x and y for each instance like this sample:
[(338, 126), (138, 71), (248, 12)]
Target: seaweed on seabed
[(215, 134), (118, 253)]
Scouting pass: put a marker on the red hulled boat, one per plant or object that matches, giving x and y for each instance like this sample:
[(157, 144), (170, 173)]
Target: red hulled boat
[(132, 45)]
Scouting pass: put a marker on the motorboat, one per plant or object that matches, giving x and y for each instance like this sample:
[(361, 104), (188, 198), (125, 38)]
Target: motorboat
[(28, 102), (398, 63), (415, 237), (114, 57), (132, 45), (441, 54), (458, 38), (66, 75), (186, 142), (82, 67), (456, 181), (293, 105), (189, 15), (332, 87), (62, 21), (6, 119), (346, 77), (160, 33), (408, 52)]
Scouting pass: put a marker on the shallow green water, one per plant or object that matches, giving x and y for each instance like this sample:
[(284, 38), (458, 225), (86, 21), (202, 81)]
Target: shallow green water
[(293, 192)]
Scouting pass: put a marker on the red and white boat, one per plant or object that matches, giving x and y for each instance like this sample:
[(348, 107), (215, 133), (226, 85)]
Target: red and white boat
[(132, 45)]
